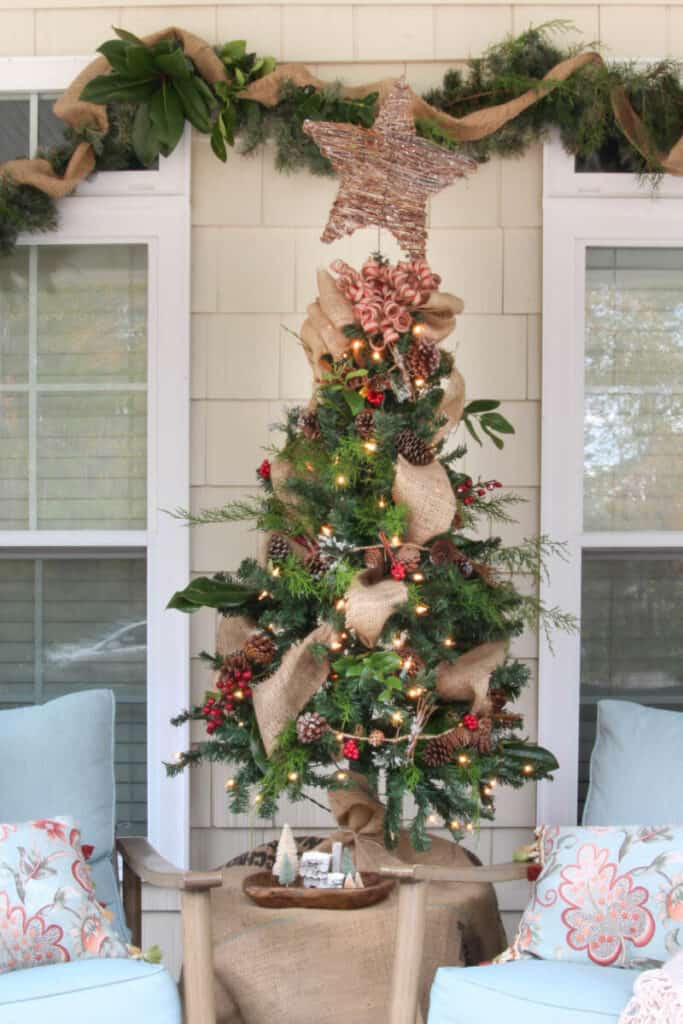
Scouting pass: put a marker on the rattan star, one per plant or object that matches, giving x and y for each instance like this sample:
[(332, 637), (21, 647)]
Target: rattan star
[(387, 172)]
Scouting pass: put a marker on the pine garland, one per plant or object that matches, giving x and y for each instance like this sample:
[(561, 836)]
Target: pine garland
[(580, 108)]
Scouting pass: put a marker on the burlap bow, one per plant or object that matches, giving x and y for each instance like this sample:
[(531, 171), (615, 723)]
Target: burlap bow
[(428, 495), (369, 605)]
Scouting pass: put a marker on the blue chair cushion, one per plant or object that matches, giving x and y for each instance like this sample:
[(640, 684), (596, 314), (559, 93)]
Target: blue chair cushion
[(530, 992), (105, 991), (621, 792), (58, 759)]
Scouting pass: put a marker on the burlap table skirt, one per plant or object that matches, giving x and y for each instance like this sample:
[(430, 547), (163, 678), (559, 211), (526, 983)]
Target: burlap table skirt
[(332, 967)]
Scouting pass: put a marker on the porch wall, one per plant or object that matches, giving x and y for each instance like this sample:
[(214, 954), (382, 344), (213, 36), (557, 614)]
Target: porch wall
[(255, 252)]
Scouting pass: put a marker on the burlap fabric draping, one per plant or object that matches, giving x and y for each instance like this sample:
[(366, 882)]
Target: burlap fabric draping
[(427, 492), (300, 675), (369, 605), (477, 125), (327, 966), (467, 679)]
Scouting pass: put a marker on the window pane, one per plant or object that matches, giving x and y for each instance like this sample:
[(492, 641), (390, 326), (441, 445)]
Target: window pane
[(71, 624), (631, 636), (13, 461), (92, 462), (633, 411), (50, 128), (14, 137), (14, 316), (73, 382), (92, 314)]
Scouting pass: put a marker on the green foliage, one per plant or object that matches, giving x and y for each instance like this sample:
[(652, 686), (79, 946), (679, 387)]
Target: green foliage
[(218, 592), (23, 209), (492, 423)]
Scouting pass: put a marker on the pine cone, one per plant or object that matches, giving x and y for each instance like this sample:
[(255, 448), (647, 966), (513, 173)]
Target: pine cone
[(413, 448), (409, 555), (439, 751), (318, 565), (376, 738), (260, 649), (278, 548), (499, 699), (443, 551), (422, 359), (233, 665), (411, 662), (462, 737), (365, 423), (310, 727), (484, 738), (374, 560), (309, 425)]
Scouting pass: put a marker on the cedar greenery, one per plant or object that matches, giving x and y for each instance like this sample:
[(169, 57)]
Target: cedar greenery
[(374, 690), (153, 90)]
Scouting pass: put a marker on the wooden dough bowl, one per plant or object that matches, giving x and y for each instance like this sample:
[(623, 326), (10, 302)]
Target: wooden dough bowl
[(259, 887)]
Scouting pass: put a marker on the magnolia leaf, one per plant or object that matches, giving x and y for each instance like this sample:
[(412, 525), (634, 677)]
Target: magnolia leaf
[(166, 113), (481, 405), (128, 36), (144, 137), (212, 593), (174, 64), (493, 437), (354, 400), (218, 143), (471, 430), (194, 105), (139, 62), (494, 421), (532, 754), (116, 52), (116, 88)]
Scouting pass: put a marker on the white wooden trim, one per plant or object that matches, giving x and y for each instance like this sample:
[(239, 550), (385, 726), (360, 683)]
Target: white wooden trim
[(149, 207), (572, 223)]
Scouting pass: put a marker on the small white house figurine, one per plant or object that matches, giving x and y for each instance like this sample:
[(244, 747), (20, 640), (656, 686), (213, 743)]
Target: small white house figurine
[(314, 869)]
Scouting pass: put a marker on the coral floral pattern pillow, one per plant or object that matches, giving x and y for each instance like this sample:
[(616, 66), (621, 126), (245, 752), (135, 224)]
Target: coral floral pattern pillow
[(607, 896), (48, 910)]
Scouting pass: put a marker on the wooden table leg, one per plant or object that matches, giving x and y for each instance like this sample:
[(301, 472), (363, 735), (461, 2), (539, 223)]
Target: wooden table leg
[(412, 907)]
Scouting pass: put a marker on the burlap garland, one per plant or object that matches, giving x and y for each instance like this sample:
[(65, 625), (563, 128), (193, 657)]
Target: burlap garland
[(232, 633), (280, 698), (477, 125), (321, 334), (369, 605), (467, 679), (452, 404), (427, 492), (281, 470)]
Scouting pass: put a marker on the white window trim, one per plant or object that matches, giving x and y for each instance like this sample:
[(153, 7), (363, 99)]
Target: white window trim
[(573, 221), (120, 207)]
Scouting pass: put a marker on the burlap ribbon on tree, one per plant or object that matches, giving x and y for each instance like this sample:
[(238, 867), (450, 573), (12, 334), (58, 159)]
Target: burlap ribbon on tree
[(428, 495), (280, 698), (232, 633), (477, 125), (467, 679), (369, 605), (322, 331)]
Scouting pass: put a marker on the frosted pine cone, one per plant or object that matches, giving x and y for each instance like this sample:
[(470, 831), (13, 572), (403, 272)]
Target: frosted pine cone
[(422, 359), (439, 751), (278, 548), (365, 423), (413, 448), (376, 738), (318, 565), (309, 425), (310, 727), (260, 649)]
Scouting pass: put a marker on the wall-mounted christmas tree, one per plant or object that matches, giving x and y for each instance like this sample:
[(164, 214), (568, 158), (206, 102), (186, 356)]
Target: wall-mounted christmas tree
[(372, 636)]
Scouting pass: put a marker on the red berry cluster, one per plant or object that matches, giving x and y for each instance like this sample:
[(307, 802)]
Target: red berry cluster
[(398, 571), (264, 470), (351, 750), (470, 722), (234, 687), (471, 492), (373, 397)]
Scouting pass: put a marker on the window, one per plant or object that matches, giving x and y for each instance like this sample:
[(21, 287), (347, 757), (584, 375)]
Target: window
[(94, 438), (612, 464)]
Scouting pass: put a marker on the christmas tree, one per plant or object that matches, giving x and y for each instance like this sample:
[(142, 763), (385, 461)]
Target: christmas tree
[(372, 635), (286, 862)]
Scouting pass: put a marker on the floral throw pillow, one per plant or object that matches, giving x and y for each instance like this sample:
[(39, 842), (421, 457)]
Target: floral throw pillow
[(48, 910), (607, 896)]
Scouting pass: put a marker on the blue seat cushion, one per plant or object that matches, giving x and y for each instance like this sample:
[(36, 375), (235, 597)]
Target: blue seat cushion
[(530, 992), (105, 991), (621, 792)]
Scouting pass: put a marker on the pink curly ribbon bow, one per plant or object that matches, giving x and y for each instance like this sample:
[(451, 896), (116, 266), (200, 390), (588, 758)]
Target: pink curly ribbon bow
[(383, 295)]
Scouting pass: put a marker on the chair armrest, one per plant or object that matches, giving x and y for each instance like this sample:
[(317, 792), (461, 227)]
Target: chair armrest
[(150, 867), (511, 872)]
